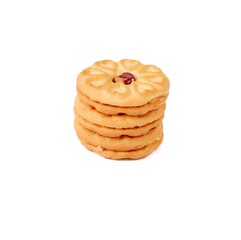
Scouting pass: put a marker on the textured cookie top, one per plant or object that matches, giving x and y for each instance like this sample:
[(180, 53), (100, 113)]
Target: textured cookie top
[(124, 83)]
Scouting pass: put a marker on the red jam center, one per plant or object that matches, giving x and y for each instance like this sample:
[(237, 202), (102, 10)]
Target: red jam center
[(125, 77)]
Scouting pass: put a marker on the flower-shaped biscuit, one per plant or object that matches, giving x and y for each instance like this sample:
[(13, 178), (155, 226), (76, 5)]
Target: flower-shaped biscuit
[(125, 83)]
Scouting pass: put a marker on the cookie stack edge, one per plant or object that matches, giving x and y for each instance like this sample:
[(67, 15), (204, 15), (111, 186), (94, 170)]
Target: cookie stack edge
[(128, 130)]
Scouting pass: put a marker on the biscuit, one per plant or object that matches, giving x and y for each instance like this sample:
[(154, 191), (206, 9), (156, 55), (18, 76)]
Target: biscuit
[(124, 143), (114, 132), (114, 110), (126, 83), (119, 108), (135, 154), (116, 121)]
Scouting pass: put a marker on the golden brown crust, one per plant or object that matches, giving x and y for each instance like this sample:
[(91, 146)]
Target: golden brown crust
[(96, 83), (114, 110), (113, 132), (116, 121), (124, 143), (135, 154)]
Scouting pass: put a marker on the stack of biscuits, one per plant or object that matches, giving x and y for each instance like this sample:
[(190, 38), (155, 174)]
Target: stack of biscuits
[(119, 108)]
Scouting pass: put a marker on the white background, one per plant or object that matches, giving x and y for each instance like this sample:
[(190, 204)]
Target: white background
[(51, 187)]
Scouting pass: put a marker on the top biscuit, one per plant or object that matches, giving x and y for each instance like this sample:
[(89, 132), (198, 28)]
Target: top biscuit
[(125, 83)]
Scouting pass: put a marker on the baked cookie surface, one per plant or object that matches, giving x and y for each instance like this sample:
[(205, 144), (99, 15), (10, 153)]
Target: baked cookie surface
[(123, 143), (118, 155), (125, 83), (114, 110), (115, 132), (119, 108), (116, 121)]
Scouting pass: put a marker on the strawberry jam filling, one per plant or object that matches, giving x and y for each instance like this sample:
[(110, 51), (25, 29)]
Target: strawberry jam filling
[(125, 77)]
